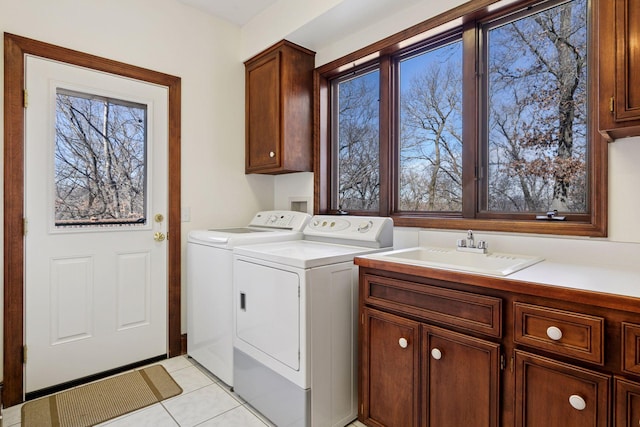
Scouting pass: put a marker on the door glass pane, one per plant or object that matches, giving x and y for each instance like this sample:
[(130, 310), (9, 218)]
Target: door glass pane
[(430, 170), (100, 161), (537, 107), (357, 142)]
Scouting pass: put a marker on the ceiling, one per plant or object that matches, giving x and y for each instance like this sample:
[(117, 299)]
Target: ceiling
[(238, 12)]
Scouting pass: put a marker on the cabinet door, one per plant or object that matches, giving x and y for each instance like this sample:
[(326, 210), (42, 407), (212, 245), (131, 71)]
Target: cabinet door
[(619, 68), (627, 403), (627, 60), (389, 370), (263, 113), (460, 379), (555, 394)]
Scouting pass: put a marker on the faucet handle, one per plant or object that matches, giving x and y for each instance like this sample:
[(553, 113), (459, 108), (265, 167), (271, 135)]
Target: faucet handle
[(462, 243), (482, 244)]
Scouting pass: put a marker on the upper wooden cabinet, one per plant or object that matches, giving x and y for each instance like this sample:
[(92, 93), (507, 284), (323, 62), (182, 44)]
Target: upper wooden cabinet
[(619, 68), (279, 110)]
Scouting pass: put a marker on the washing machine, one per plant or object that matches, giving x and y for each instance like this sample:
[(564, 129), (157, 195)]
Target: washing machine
[(209, 262), (295, 334)]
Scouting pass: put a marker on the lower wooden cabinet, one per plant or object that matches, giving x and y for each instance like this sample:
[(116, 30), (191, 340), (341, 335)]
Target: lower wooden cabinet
[(460, 379), (416, 374), (627, 403), (555, 394), (390, 362), (475, 352)]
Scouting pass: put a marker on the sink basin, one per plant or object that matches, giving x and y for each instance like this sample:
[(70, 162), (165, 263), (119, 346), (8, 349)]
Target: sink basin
[(493, 263)]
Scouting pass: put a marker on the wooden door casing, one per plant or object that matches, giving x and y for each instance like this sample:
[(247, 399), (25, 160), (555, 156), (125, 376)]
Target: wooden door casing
[(15, 48)]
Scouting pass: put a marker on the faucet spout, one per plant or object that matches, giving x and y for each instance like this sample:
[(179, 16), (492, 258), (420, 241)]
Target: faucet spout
[(470, 241)]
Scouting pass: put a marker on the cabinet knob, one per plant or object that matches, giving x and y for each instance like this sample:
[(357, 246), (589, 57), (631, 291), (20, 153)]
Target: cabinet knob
[(554, 333), (436, 354), (272, 154), (403, 342), (577, 402)]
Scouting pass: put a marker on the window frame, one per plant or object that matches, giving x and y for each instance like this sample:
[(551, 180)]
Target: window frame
[(385, 54)]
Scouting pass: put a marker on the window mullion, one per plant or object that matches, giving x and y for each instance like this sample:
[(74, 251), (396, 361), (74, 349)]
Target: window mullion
[(471, 162), (387, 112)]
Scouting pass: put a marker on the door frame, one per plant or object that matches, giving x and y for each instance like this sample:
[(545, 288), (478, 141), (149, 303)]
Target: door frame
[(15, 49)]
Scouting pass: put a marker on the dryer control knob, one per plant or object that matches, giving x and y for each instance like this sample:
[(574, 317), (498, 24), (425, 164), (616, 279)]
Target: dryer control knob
[(365, 226)]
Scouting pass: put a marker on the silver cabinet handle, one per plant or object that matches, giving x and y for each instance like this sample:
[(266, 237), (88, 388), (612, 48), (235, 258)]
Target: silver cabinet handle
[(272, 154), (403, 342)]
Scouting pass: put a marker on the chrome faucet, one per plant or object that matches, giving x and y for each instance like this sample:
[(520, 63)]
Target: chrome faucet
[(469, 244)]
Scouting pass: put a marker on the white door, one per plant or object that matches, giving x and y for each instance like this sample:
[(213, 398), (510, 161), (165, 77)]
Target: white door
[(95, 209)]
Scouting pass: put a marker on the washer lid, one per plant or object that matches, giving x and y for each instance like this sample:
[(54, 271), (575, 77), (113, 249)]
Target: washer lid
[(303, 253), (229, 238)]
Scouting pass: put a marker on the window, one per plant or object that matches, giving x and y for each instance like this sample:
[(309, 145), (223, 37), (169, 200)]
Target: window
[(430, 134), (357, 139), (485, 125), (536, 80), (100, 153)]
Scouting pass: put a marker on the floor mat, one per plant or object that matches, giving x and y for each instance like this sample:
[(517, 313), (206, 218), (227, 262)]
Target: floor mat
[(103, 400)]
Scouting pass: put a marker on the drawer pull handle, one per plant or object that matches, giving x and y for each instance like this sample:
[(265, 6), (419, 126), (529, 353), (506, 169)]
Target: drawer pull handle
[(554, 333), (272, 154), (403, 342), (436, 354), (577, 402)]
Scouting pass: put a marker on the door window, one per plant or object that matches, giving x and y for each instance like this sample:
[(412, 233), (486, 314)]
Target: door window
[(100, 161)]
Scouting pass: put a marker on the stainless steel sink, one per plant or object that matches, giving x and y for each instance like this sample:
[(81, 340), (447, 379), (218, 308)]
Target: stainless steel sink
[(497, 264)]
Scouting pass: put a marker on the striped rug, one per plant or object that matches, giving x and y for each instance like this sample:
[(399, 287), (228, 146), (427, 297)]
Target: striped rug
[(100, 401)]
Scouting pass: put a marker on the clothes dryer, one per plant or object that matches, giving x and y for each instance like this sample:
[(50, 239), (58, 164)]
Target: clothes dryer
[(295, 337)]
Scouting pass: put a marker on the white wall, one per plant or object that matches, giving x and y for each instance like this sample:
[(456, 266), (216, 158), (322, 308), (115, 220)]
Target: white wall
[(169, 37)]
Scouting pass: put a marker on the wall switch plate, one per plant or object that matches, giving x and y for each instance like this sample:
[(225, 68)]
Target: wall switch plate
[(185, 214)]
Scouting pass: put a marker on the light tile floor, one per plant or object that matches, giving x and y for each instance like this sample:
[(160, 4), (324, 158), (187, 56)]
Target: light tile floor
[(205, 402)]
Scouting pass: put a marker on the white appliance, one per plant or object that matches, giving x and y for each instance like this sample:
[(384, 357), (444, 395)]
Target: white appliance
[(296, 310), (210, 284)]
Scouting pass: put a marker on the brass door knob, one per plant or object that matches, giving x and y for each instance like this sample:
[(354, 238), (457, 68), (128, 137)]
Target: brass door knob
[(158, 236)]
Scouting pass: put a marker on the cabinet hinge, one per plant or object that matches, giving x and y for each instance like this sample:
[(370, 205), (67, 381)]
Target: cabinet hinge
[(502, 362), (24, 226), (612, 104), (24, 354), (25, 98), (362, 318)]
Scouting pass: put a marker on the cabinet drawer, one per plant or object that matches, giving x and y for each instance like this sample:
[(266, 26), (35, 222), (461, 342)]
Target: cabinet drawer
[(576, 335), (464, 310), (631, 348)]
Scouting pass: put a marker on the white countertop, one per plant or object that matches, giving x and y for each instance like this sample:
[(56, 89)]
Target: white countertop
[(612, 280)]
